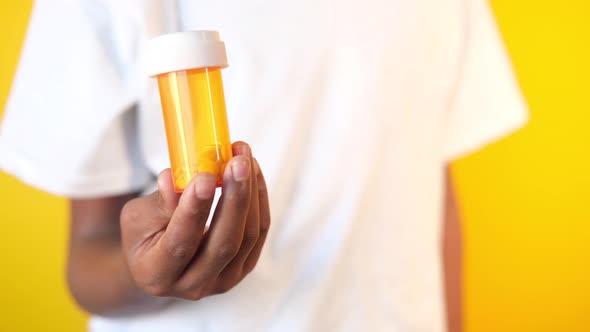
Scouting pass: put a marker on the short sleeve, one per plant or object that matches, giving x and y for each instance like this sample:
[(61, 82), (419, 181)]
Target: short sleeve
[(69, 126), (487, 103)]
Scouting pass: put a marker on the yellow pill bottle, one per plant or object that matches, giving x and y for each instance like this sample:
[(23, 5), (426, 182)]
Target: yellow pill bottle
[(188, 67)]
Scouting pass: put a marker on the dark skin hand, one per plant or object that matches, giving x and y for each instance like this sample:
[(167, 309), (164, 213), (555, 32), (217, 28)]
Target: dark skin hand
[(110, 274), (131, 254)]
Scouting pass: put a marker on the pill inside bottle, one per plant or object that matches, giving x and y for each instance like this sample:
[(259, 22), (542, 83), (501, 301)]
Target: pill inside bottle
[(188, 67)]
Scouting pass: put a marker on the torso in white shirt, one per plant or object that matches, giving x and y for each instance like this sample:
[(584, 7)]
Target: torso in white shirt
[(342, 104), (348, 106)]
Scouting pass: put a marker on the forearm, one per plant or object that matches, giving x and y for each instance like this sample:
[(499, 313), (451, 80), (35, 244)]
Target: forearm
[(98, 275), (452, 259), (100, 282)]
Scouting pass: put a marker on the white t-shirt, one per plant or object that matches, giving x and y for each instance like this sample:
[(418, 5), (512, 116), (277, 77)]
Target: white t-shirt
[(353, 109)]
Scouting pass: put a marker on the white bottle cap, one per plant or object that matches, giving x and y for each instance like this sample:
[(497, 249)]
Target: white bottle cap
[(183, 51)]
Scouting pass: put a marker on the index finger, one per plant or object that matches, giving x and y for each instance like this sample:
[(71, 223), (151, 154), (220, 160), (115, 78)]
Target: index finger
[(179, 242)]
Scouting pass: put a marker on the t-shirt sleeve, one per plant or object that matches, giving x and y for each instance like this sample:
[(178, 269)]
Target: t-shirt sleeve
[(69, 126), (487, 103)]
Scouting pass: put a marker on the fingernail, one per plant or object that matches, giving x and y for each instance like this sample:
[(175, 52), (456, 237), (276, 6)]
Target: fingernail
[(245, 150), (240, 169), (205, 185)]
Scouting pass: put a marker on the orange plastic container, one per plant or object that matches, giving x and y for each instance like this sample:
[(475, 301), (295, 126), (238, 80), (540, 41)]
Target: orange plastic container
[(188, 68)]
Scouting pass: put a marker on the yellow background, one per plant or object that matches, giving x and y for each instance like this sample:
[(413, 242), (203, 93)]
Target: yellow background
[(526, 199)]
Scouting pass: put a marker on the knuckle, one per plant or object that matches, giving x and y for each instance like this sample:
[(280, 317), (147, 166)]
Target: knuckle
[(190, 209), (226, 251), (198, 212), (231, 196), (155, 289), (251, 237), (181, 251), (151, 283), (194, 295), (192, 289)]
